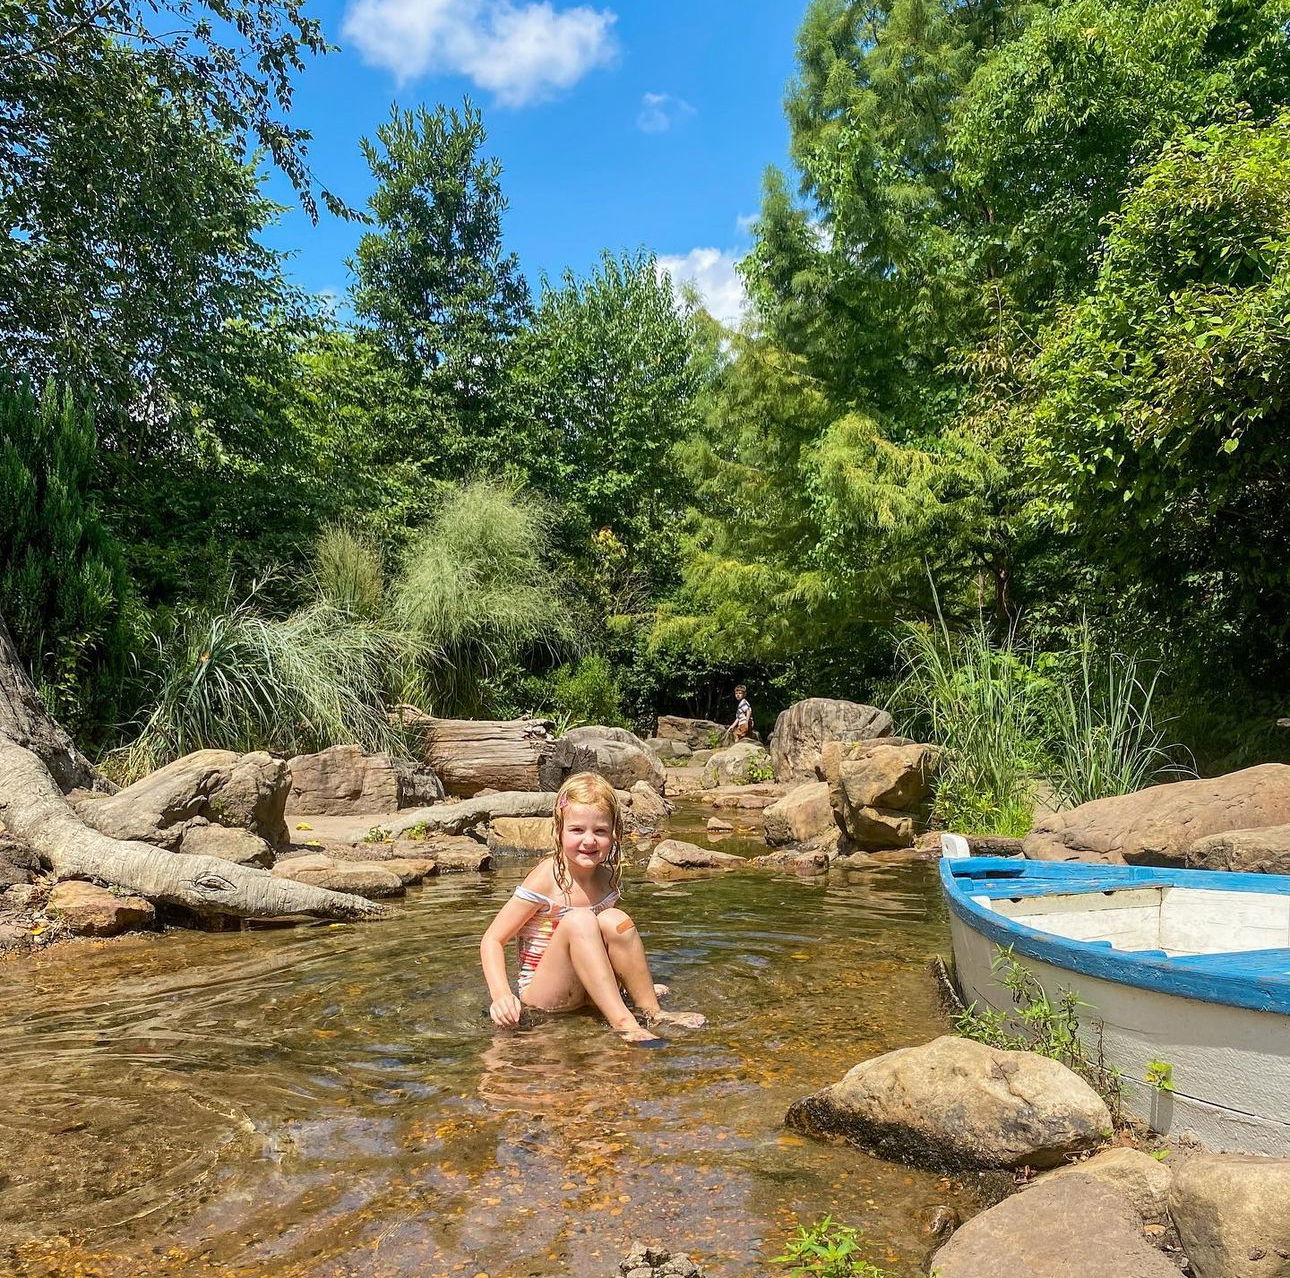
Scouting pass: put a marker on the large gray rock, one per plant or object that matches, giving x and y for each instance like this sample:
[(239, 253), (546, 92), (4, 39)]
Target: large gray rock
[(1233, 1215), (621, 757), (674, 752), (1144, 1181), (246, 791), (879, 790), (201, 838), (698, 734), (1265, 851), (953, 1103), (90, 910), (739, 764), (342, 779), (802, 730), (647, 810), (1158, 825), (802, 814), (1067, 1228), (676, 859)]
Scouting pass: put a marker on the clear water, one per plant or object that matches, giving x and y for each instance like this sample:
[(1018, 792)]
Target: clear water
[(332, 1100)]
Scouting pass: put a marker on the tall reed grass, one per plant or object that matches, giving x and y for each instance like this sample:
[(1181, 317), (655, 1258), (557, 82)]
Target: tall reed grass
[(239, 679)]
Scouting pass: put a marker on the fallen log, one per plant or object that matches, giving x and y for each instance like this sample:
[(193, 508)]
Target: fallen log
[(469, 814), (39, 763), (470, 755)]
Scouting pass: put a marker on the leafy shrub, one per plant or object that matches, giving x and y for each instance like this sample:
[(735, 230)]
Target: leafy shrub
[(588, 693)]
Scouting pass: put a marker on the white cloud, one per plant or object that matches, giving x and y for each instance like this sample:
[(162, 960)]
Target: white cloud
[(660, 111), (520, 53), (713, 275), (745, 222)]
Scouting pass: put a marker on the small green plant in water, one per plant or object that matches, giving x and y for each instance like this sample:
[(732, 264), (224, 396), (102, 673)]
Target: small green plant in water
[(829, 1250), (1046, 1027), (1160, 1074)]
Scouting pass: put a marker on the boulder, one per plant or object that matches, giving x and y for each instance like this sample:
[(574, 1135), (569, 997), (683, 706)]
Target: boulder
[(878, 790), (953, 1103), (802, 730), (1142, 1180), (453, 854), (362, 878), (521, 836), (806, 865), (201, 838), (1065, 1228), (802, 814), (1265, 851), (247, 791), (654, 1262), (410, 872), (717, 826), (668, 750), (90, 910), (342, 779), (1233, 1215), (621, 757), (1158, 825), (648, 809), (675, 859), (698, 734), (739, 764)]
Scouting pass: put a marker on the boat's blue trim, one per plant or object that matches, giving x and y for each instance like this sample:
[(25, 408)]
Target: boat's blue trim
[(1256, 979)]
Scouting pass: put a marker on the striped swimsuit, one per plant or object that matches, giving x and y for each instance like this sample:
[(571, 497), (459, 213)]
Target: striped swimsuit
[(537, 932)]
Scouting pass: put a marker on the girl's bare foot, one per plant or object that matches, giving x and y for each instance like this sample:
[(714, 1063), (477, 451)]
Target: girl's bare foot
[(682, 1020), (640, 1036)]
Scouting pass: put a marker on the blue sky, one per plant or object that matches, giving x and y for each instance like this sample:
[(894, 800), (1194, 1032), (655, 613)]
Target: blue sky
[(618, 126)]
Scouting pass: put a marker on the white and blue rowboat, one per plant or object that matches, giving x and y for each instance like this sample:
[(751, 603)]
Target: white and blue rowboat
[(1184, 973)]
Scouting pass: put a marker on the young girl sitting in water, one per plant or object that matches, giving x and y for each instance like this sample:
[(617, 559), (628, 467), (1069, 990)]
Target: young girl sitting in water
[(575, 944)]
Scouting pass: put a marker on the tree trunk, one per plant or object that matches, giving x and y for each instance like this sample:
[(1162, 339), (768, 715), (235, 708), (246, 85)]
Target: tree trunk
[(39, 763), (25, 721), (470, 755)]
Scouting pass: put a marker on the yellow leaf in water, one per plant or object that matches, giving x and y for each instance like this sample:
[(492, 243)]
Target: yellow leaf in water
[(799, 956), (304, 825)]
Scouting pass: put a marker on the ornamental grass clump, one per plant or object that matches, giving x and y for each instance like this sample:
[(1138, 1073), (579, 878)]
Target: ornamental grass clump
[(240, 679)]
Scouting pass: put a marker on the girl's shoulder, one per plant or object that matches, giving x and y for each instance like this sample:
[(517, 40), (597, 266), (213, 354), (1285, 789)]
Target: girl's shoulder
[(541, 878)]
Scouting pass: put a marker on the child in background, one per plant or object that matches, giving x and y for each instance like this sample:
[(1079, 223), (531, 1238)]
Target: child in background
[(576, 946)]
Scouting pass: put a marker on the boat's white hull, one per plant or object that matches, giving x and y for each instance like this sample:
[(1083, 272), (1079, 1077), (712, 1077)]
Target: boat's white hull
[(1230, 1065)]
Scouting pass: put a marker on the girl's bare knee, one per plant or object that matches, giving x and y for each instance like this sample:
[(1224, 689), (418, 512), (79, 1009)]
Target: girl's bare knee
[(579, 923), (615, 922)]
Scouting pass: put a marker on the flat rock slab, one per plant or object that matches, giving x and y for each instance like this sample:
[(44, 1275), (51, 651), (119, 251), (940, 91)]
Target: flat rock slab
[(676, 859), (1158, 825), (804, 864), (753, 798), (1233, 1215), (956, 1104), (89, 910), (360, 878), (1071, 1227)]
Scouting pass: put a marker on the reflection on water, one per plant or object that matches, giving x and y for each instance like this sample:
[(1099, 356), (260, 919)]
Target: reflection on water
[(332, 1100)]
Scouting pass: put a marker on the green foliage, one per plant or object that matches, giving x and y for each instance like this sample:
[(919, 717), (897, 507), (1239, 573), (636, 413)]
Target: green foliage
[(610, 369), (829, 1250), (759, 770), (1040, 1024), (433, 281), (982, 703), (1160, 1075), (64, 592), (349, 576), (240, 679), (588, 693), (478, 592), (1104, 737)]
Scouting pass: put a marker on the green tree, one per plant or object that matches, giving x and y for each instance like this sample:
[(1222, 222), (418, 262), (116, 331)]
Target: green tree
[(64, 591), (609, 375), (435, 284)]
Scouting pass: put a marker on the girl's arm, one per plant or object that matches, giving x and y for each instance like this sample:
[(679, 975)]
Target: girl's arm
[(505, 1007)]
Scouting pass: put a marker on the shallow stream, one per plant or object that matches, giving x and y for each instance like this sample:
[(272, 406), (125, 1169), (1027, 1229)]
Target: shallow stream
[(332, 1099)]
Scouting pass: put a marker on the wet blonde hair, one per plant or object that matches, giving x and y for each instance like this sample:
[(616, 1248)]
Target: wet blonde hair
[(596, 792)]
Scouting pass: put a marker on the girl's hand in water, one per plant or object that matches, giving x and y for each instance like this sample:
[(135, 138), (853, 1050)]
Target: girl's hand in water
[(505, 1011)]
